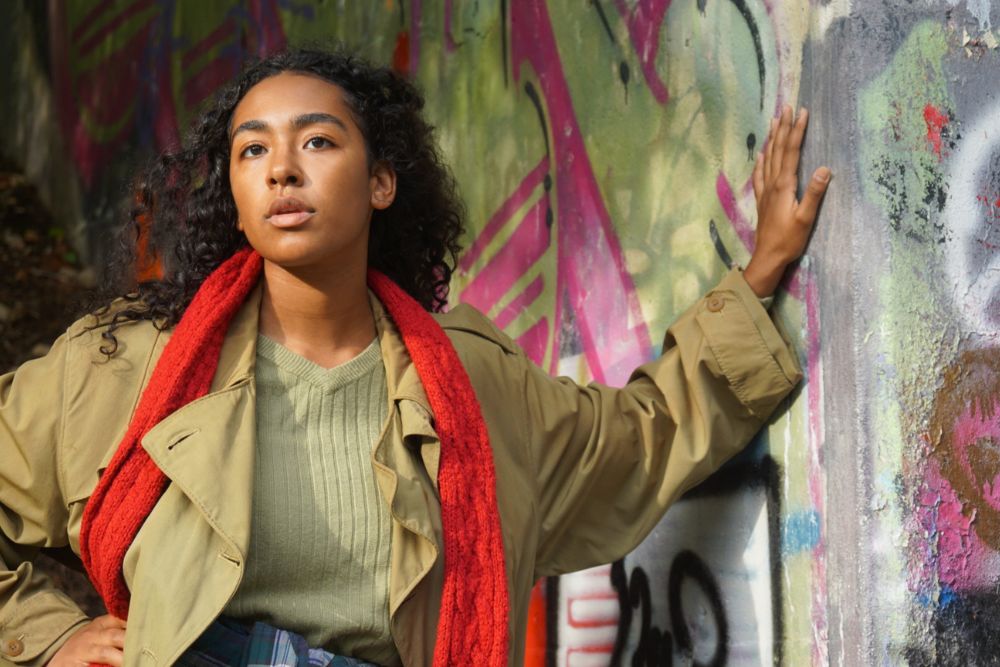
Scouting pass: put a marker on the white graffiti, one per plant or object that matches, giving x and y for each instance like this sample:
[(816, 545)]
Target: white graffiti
[(980, 9), (972, 215)]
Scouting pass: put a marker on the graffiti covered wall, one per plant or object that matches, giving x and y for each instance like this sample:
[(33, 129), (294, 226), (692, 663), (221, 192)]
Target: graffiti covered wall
[(604, 150)]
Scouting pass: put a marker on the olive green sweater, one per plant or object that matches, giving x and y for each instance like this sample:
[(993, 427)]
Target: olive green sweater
[(319, 545)]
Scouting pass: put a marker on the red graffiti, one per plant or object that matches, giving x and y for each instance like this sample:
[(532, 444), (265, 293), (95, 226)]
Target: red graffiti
[(401, 53), (991, 203), (936, 122)]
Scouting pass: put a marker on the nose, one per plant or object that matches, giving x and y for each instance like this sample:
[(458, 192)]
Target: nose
[(284, 169)]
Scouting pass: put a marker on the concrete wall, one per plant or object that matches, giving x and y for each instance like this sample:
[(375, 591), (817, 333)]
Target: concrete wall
[(604, 149)]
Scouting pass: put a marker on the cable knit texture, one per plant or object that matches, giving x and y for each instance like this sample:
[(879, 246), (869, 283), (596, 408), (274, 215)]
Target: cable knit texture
[(473, 622)]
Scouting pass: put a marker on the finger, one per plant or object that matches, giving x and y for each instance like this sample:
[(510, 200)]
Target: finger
[(793, 149), (758, 176), (779, 140), (108, 621), (106, 655), (113, 637), (813, 196), (769, 155)]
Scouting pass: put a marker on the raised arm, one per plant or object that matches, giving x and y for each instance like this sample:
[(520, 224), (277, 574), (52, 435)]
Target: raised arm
[(611, 461)]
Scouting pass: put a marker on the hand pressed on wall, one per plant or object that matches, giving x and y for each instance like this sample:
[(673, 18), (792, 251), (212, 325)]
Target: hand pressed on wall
[(783, 222)]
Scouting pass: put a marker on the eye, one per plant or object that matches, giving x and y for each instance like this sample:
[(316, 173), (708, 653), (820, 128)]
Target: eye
[(253, 150), (318, 142)]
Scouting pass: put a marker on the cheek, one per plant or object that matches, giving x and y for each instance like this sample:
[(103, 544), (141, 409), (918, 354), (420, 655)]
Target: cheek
[(243, 194)]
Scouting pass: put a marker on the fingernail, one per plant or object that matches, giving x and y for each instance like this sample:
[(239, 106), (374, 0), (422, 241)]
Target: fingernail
[(823, 175)]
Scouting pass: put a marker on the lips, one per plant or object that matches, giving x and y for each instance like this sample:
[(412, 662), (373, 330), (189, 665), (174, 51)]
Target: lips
[(288, 212)]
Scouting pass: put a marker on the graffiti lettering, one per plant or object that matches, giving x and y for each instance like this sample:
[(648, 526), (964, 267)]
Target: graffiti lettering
[(655, 647)]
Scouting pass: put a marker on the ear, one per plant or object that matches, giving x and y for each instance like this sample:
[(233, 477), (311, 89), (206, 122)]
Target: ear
[(383, 186), (239, 224)]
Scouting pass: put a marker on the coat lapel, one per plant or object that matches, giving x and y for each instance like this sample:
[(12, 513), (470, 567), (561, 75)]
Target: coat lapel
[(406, 466), (206, 447)]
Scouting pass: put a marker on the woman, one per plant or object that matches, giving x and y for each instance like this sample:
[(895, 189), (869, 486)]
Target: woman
[(274, 449)]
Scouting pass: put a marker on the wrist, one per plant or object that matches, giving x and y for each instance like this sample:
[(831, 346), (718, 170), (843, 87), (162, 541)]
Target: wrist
[(763, 279)]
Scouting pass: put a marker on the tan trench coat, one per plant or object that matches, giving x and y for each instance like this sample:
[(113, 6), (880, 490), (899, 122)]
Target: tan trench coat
[(583, 473)]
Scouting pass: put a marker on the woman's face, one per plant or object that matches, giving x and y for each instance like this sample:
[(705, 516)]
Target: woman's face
[(299, 172)]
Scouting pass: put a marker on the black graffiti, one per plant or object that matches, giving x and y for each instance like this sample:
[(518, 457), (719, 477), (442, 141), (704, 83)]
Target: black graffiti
[(529, 90), (503, 42), (917, 218), (758, 46), (963, 631), (536, 101), (551, 620), (624, 72), (656, 647), (720, 247), (689, 567), (634, 593), (604, 20)]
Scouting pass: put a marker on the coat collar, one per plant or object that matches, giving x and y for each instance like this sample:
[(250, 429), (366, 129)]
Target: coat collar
[(236, 361)]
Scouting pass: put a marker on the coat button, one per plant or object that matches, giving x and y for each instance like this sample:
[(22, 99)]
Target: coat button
[(715, 303), (13, 647)]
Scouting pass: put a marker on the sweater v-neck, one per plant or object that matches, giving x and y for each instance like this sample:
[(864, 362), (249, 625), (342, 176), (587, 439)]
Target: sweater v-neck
[(328, 379)]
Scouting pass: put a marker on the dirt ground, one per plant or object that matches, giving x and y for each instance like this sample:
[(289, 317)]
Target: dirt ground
[(43, 287)]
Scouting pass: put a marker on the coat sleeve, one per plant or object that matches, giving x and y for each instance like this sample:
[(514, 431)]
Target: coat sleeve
[(35, 618), (609, 462)]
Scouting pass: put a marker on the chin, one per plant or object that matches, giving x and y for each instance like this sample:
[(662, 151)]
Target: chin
[(295, 262)]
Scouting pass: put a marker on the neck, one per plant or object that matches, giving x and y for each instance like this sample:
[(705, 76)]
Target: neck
[(323, 316)]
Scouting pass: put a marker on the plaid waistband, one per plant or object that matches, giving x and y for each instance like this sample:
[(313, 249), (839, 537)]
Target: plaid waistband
[(227, 642)]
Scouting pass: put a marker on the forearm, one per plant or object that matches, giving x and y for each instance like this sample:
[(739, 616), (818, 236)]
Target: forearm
[(619, 457)]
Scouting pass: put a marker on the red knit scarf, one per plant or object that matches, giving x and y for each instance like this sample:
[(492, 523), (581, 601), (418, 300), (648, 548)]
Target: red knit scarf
[(472, 626)]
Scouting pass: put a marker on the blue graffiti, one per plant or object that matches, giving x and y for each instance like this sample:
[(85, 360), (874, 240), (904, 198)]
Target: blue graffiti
[(799, 532)]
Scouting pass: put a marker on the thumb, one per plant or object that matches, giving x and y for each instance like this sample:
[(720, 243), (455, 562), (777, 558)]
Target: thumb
[(813, 196)]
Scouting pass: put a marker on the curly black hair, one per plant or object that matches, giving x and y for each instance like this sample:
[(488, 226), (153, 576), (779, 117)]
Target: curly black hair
[(183, 210)]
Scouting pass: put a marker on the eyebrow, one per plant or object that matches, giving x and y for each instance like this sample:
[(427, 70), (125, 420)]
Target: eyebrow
[(298, 123)]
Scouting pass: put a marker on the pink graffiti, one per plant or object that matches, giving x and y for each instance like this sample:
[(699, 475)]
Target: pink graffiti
[(90, 43), (954, 556), (645, 21), (520, 302), (130, 88), (217, 72), (973, 427), (416, 16), (526, 246), (449, 38), (590, 277)]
